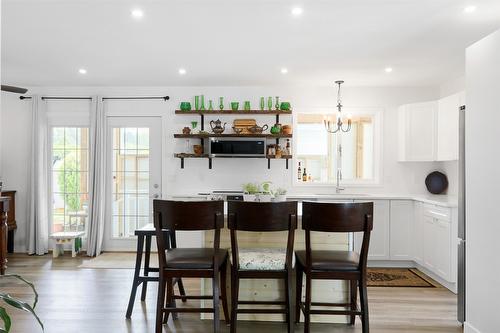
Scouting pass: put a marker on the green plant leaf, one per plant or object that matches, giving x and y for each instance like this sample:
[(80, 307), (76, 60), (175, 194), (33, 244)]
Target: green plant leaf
[(25, 281), (6, 320), (12, 301)]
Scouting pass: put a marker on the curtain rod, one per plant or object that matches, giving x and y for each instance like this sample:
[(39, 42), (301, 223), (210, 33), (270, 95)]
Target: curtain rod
[(165, 98)]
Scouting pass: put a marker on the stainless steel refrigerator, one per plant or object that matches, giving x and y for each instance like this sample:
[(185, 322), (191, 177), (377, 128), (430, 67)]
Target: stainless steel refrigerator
[(461, 220)]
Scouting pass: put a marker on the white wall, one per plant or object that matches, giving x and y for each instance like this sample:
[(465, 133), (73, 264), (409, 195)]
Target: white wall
[(397, 177), (482, 185)]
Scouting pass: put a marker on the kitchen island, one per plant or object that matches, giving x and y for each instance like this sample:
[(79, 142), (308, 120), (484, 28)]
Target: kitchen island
[(403, 226)]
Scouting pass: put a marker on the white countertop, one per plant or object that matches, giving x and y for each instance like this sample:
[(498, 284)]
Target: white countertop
[(438, 200)]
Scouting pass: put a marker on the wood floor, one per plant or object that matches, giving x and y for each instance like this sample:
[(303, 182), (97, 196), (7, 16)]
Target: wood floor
[(95, 300)]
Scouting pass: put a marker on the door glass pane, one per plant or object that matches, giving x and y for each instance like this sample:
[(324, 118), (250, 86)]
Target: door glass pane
[(69, 185), (131, 180)]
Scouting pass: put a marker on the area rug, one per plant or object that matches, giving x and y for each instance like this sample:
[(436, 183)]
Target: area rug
[(117, 260), (398, 277)]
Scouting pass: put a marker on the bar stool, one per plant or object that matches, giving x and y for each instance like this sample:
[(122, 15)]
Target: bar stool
[(190, 262), (334, 265), (261, 263)]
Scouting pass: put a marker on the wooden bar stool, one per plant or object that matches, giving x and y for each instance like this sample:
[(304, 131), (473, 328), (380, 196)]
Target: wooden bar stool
[(334, 265), (261, 263), (190, 262)]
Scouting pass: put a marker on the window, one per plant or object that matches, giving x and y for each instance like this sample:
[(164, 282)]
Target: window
[(130, 180), (318, 151), (69, 172)]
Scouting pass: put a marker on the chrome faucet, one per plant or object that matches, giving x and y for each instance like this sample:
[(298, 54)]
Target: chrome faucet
[(338, 188)]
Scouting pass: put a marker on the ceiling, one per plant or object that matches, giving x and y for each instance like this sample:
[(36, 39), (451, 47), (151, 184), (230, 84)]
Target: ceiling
[(239, 42)]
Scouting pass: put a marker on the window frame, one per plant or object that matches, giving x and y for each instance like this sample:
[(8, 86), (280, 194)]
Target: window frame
[(377, 115)]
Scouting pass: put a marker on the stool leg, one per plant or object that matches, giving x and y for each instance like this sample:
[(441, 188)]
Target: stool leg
[(216, 299), (147, 256), (160, 304), (288, 293), (182, 292), (223, 287), (298, 290), (363, 296), (234, 300), (354, 299), (135, 283), (307, 314)]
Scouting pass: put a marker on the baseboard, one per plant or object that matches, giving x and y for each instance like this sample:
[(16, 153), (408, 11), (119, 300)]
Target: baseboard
[(448, 285), (468, 328), (391, 263)]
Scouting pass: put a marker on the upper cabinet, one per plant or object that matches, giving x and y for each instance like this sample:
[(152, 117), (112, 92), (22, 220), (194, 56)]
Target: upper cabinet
[(429, 131), (417, 131)]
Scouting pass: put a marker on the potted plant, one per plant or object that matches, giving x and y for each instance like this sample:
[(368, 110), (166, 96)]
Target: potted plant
[(280, 194), (267, 194), (16, 303), (250, 191)]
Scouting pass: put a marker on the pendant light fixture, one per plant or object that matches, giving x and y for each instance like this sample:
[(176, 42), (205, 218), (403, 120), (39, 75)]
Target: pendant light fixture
[(332, 126)]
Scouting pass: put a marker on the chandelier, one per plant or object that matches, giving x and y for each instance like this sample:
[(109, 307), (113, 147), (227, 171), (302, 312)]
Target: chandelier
[(332, 126)]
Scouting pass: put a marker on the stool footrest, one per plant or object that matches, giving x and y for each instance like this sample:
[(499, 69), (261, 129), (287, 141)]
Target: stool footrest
[(261, 303), (189, 310), (261, 311)]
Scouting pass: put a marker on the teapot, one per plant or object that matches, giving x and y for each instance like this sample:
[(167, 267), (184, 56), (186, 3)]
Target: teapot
[(218, 128), (276, 129), (255, 129)]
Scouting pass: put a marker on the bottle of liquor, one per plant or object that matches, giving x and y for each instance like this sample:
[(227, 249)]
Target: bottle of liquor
[(304, 176), (288, 150), (299, 173)]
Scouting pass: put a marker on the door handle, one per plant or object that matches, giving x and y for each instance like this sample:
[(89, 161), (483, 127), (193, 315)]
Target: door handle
[(155, 196)]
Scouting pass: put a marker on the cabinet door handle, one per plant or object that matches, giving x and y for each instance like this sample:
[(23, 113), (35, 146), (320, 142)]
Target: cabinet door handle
[(439, 214)]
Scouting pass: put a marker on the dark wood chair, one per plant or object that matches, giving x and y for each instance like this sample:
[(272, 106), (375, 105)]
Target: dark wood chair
[(272, 264), (334, 265), (178, 263)]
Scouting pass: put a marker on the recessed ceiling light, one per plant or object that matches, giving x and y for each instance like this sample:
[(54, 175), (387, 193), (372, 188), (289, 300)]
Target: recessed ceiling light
[(137, 13), (82, 71), (470, 9), (297, 11), (182, 71), (388, 69), (284, 70)]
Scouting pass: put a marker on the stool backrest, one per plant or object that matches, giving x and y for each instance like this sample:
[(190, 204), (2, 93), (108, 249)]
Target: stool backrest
[(170, 215), (262, 217), (338, 217)]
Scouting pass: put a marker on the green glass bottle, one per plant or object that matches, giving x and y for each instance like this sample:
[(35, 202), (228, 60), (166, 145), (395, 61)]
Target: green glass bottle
[(221, 103), (277, 106), (262, 103), (269, 103), (202, 108), (196, 103)]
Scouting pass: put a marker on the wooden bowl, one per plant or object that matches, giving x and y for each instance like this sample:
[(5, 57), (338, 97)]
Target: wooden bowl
[(286, 129)]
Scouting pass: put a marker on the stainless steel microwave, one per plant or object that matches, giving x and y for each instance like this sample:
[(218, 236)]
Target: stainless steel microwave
[(237, 147)]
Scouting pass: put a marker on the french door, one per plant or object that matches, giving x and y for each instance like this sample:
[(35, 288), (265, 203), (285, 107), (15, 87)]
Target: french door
[(134, 178)]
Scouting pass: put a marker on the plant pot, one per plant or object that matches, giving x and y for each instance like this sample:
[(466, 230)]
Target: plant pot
[(280, 197), (198, 150), (249, 197), (265, 197)]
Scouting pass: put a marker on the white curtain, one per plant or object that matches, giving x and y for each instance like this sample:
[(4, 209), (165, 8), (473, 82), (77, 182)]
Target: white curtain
[(38, 213), (97, 177)]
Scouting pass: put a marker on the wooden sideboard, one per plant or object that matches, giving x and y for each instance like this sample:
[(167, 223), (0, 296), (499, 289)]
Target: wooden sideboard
[(4, 209), (11, 219)]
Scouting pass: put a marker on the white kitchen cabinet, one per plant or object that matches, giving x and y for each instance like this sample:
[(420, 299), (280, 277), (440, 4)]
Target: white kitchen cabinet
[(437, 245), (418, 234), (379, 237), (447, 127), (417, 131), (402, 214)]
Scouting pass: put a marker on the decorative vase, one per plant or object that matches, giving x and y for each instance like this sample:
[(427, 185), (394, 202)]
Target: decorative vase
[(280, 197), (247, 106), (269, 103), (202, 107), (210, 105), (262, 103), (265, 197), (221, 103), (277, 106), (197, 103), (234, 106)]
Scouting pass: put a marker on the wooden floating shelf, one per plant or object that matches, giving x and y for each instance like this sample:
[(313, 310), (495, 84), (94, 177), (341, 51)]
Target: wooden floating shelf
[(216, 112), (232, 135), (182, 156), (272, 157)]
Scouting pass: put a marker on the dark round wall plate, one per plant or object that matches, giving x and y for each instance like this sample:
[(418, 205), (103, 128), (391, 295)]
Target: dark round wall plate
[(436, 182)]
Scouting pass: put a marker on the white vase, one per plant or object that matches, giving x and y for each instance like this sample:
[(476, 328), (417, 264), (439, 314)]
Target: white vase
[(265, 197), (249, 197), (280, 197)]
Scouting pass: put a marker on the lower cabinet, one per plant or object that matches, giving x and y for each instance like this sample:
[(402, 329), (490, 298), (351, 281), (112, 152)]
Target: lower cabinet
[(437, 242), (400, 230), (379, 237)]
